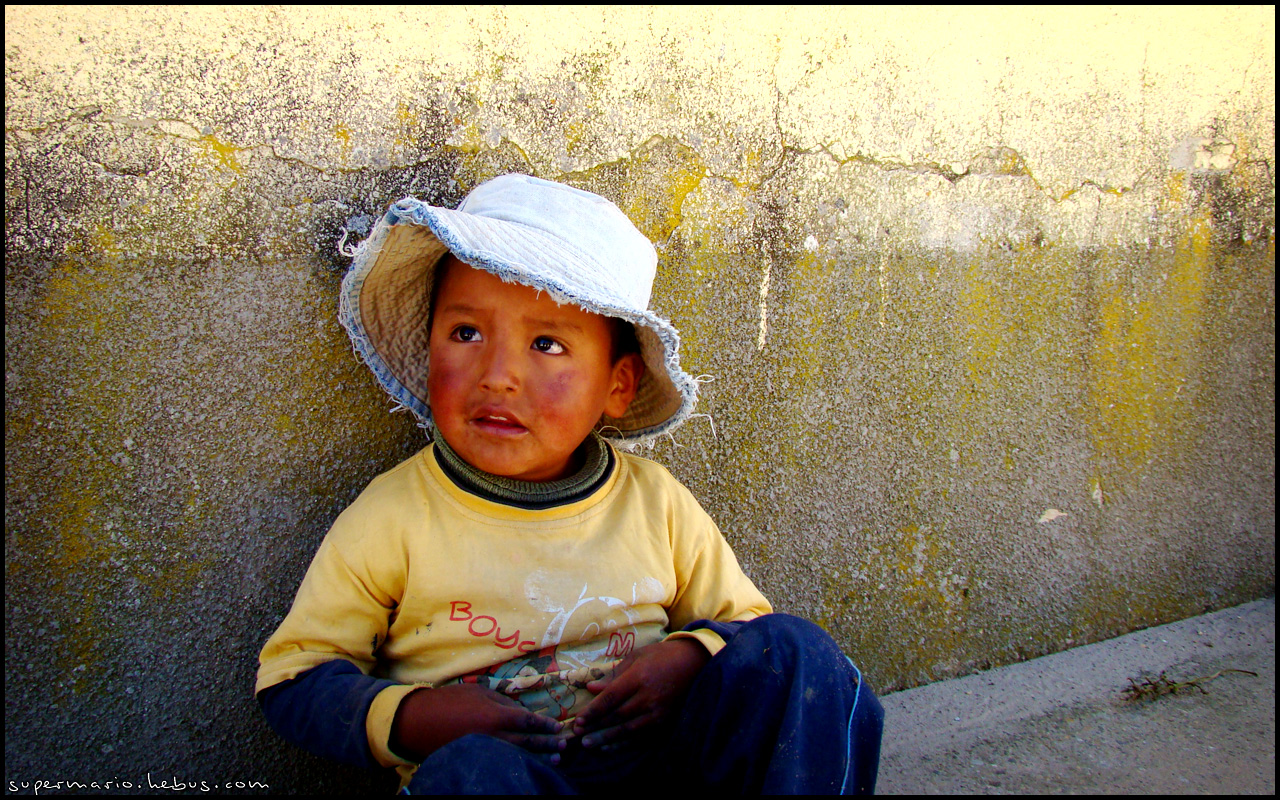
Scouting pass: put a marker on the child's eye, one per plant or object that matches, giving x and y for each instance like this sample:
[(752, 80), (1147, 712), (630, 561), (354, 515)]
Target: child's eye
[(465, 333), (545, 344)]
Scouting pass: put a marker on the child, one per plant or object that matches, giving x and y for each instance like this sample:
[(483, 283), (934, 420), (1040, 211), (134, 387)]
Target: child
[(520, 607)]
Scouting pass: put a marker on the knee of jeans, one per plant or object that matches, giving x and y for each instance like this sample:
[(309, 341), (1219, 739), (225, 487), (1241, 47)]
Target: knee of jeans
[(785, 630), (474, 746), (784, 639), (775, 636)]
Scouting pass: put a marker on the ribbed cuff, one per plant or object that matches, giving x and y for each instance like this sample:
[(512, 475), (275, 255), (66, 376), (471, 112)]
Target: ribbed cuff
[(377, 723)]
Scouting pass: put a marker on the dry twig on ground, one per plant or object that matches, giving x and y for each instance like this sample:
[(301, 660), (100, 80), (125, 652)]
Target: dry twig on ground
[(1150, 689)]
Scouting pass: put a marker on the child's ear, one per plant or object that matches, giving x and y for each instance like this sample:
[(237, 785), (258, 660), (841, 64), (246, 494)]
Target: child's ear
[(626, 382)]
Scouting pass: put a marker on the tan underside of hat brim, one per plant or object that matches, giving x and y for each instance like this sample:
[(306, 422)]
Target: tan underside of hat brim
[(395, 303)]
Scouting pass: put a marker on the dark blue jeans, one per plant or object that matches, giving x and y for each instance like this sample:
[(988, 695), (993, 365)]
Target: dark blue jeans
[(780, 710)]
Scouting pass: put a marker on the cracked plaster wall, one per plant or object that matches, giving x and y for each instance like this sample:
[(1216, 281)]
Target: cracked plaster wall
[(988, 296)]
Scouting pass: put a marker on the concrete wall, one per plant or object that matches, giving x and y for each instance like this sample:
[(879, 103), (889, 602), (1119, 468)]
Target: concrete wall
[(988, 295)]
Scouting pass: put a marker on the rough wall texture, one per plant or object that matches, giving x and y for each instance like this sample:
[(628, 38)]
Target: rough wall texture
[(988, 296)]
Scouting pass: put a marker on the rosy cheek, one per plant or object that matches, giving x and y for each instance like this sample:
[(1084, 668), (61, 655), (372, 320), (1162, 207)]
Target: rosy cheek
[(565, 384), (560, 389), (446, 382)]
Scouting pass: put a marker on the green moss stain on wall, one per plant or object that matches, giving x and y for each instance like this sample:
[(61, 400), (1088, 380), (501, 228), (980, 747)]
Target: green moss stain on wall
[(661, 174), (979, 373), (224, 155), (1145, 355), (107, 351)]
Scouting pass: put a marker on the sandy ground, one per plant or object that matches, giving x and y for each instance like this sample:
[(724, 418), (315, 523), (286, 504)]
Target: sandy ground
[(1060, 724)]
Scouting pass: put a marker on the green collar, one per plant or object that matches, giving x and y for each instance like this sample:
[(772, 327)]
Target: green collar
[(597, 464)]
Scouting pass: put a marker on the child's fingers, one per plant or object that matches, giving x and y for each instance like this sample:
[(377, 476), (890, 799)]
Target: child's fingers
[(534, 732), (621, 709), (601, 707), (529, 722), (603, 736), (619, 669)]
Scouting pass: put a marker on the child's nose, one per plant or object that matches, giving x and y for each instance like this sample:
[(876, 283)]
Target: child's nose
[(500, 370)]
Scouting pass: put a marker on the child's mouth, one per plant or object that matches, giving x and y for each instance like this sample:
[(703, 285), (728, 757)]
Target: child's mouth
[(500, 424)]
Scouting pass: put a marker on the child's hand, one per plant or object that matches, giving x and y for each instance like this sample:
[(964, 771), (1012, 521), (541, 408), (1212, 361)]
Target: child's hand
[(645, 688), (431, 718)]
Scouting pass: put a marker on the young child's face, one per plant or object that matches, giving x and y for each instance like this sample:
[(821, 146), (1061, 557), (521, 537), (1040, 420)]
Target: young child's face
[(517, 381)]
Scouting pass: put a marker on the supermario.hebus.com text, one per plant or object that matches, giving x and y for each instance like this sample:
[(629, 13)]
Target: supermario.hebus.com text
[(173, 784)]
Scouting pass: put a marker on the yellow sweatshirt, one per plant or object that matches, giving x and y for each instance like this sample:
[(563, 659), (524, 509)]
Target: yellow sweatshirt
[(424, 583)]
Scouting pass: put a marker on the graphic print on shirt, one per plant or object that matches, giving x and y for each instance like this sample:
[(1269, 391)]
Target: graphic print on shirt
[(586, 637), (586, 617), (540, 683)]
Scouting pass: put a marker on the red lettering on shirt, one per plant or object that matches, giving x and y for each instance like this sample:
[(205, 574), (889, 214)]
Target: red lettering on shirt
[(484, 625), (506, 642), (620, 644)]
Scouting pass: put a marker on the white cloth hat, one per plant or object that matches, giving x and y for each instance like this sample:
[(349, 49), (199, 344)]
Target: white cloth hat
[(576, 246)]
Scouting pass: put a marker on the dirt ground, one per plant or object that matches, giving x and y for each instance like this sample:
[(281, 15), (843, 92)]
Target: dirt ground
[(1061, 725)]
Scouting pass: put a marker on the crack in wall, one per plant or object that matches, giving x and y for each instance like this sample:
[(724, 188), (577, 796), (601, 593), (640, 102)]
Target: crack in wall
[(996, 161), (1000, 161), (154, 127)]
